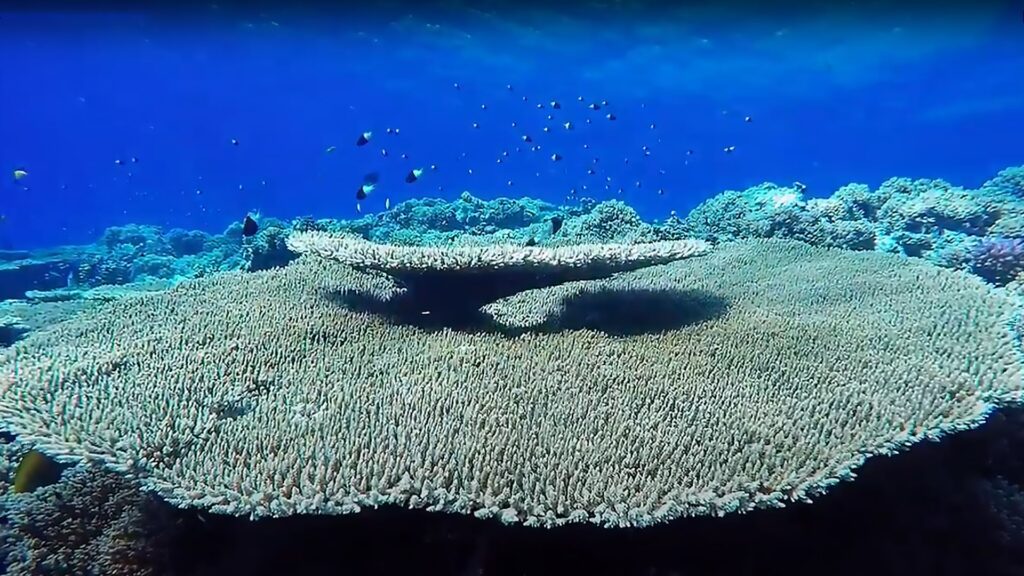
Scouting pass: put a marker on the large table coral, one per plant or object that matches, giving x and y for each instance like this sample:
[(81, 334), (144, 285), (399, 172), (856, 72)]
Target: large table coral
[(255, 394), (453, 282)]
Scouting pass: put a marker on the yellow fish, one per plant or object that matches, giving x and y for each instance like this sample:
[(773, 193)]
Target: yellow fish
[(19, 174), (35, 471)]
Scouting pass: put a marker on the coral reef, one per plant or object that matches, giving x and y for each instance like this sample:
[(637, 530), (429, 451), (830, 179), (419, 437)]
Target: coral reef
[(92, 522), (972, 230), (436, 222), (296, 372), (952, 507)]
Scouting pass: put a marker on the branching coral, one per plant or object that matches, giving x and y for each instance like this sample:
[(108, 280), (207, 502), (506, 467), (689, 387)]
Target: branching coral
[(775, 399), (998, 260), (90, 523)]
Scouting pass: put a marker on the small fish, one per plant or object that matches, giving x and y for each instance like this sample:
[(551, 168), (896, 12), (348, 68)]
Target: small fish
[(234, 141), (413, 175), (728, 149), (363, 191), (457, 86), (539, 105), (330, 149), (135, 160), (567, 125), (547, 129), (249, 226), (610, 116), (387, 203), (364, 138), (369, 183), (384, 152), (748, 119), (556, 157), (800, 186), (118, 162), (555, 104), (526, 138), (19, 174), (556, 224), (594, 106), (483, 106), (35, 471), (531, 241), (653, 126), (476, 124)]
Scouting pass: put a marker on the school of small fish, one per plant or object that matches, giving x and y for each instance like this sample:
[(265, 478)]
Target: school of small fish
[(525, 143)]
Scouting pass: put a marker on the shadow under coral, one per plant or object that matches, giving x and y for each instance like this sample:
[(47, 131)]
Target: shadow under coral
[(635, 312), (615, 312)]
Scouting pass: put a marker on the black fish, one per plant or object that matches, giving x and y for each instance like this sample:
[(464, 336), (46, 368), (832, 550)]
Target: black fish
[(364, 138), (556, 224), (369, 183), (249, 227), (413, 175)]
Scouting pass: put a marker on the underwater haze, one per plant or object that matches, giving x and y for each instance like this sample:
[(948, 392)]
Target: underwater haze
[(512, 288), (193, 117)]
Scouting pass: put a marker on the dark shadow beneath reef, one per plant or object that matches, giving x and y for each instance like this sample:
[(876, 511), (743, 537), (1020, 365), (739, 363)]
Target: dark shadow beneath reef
[(954, 507), (635, 312), (614, 312), (453, 298)]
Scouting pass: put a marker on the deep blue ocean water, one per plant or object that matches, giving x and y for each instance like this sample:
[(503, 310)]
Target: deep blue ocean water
[(123, 115)]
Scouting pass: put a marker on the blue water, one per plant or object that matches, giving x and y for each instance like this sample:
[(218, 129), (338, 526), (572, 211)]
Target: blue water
[(860, 94)]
